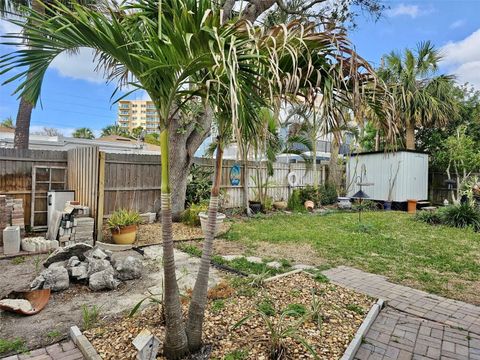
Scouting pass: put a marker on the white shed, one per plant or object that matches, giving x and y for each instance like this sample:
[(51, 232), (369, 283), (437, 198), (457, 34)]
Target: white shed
[(403, 172)]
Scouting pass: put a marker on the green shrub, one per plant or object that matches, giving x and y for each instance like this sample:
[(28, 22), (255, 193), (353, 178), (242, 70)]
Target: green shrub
[(18, 345), (296, 310), (429, 217), (121, 218), (328, 194), (461, 216), (191, 215), (295, 202), (199, 185), (266, 307)]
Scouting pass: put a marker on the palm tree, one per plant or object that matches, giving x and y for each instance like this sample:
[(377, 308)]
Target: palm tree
[(83, 133), (421, 97), (114, 130), (8, 122)]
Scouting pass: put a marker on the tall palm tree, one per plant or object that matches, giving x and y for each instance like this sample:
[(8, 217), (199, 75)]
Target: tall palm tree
[(114, 130), (421, 97), (83, 133), (8, 122)]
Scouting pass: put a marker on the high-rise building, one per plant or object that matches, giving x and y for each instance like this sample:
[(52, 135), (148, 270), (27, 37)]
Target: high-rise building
[(135, 113)]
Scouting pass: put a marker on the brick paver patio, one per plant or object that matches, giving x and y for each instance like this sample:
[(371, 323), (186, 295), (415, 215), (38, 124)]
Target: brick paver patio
[(61, 351), (414, 324)]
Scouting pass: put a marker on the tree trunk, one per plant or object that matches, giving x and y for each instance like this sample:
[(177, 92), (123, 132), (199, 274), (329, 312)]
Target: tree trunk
[(184, 142), (176, 344), (25, 108), (410, 136), (377, 140), (245, 180), (333, 163), (196, 311), (314, 164)]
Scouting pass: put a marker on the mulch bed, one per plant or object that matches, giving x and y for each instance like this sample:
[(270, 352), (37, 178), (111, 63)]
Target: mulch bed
[(342, 311), (149, 234)]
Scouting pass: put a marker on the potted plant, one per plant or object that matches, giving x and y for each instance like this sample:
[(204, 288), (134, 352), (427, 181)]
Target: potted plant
[(123, 225), (204, 221)]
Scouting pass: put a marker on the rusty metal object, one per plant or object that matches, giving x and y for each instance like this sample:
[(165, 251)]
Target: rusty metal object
[(38, 299)]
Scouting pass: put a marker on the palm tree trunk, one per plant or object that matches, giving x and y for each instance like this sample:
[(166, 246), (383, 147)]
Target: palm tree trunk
[(25, 108), (196, 311), (314, 164), (410, 136), (176, 344), (333, 163)]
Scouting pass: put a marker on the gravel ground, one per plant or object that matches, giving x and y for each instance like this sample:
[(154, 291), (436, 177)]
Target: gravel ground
[(342, 311)]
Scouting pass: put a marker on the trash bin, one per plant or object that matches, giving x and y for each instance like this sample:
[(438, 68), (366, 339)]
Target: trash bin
[(412, 206)]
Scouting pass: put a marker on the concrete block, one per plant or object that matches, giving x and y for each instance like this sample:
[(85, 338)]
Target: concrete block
[(11, 240)]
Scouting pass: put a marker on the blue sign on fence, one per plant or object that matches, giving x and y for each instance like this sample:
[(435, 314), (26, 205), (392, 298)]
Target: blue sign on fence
[(235, 175)]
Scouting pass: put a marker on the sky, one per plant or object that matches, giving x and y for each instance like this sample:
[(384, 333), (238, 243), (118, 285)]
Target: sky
[(73, 95)]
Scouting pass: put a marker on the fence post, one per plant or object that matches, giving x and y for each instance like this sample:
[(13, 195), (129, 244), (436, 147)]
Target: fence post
[(101, 193)]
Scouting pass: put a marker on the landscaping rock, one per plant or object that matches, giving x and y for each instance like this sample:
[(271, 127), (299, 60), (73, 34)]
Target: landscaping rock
[(231, 257), (57, 264), (79, 272), (129, 268), (302, 267), (65, 253), (274, 264), (103, 280), (73, 261), (97, 253), (54, 278), (96, 265), (254, 259)]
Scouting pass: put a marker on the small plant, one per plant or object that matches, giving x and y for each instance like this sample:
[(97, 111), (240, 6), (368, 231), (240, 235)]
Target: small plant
[(54, 334), (218, 305), (236, 355), (257, 280), (296, 310), (18, 260), (429, 217), (199, 185), (328, 194), (355, 308), (295, 201), (37, 261), (279, 331), (90, 316), (319, 277), (122, 218), (191, 250), (315, 310), (17, 346), (364, 228), (266, 307), (191, 215)]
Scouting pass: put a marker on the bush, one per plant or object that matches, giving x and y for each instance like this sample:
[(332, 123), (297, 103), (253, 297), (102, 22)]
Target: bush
[(121, 218), (328, 194), (461, 216), (295, 202), (199, 185), (191, 215), (429, 217)]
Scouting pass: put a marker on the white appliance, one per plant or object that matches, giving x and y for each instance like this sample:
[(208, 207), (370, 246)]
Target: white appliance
[(56, 200)]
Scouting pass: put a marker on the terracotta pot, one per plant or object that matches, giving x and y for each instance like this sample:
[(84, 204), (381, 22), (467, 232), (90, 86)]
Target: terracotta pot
[(204, 222), (125, 235), (309, 205)]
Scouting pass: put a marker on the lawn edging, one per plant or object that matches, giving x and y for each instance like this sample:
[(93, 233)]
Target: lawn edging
[(354, 345), (83, 344)]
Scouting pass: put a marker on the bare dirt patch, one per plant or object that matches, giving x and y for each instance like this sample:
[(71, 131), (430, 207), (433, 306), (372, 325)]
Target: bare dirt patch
[(342, 312)]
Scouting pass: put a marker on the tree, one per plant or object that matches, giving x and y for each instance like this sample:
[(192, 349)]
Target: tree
[(83, 133), (421, 98), (48, 131), (8, 123), (114, 130)]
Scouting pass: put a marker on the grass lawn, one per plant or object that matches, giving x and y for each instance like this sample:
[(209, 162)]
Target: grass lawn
[(437, 259)]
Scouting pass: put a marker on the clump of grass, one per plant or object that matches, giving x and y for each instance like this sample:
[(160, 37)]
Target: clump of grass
[(218, 305), (17, 345), (238, 354), (90, 316), (266, 307), (355, 308), (18, 260), (54, 334), (296, 310), (321, 278)]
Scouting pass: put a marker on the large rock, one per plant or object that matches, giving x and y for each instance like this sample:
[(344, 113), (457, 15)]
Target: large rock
[(103, 280), (54, 278), (65, 253), (79, 272), (97, 253), (129, 268), (97, 265)]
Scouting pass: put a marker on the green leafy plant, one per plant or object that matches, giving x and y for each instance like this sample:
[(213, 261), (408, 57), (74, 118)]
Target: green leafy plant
[(319, 277), (257, 280), (296, 310), (266, 307), (18, 260), (315, 311), (199, 185), (429, 217), (54, 334), (355, 308), (90, 316), (218, 305), (328, 194), (238, 354), (295, 201), (121, 218), (279, 330), (18, 346), (191, 215), (461, 216)]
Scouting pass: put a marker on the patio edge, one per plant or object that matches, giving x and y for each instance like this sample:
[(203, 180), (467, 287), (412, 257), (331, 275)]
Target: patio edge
[(85, 347), (354, 345)]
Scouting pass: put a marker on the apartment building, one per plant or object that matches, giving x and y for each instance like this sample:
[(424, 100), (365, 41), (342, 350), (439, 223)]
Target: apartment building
[(135, 113)]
